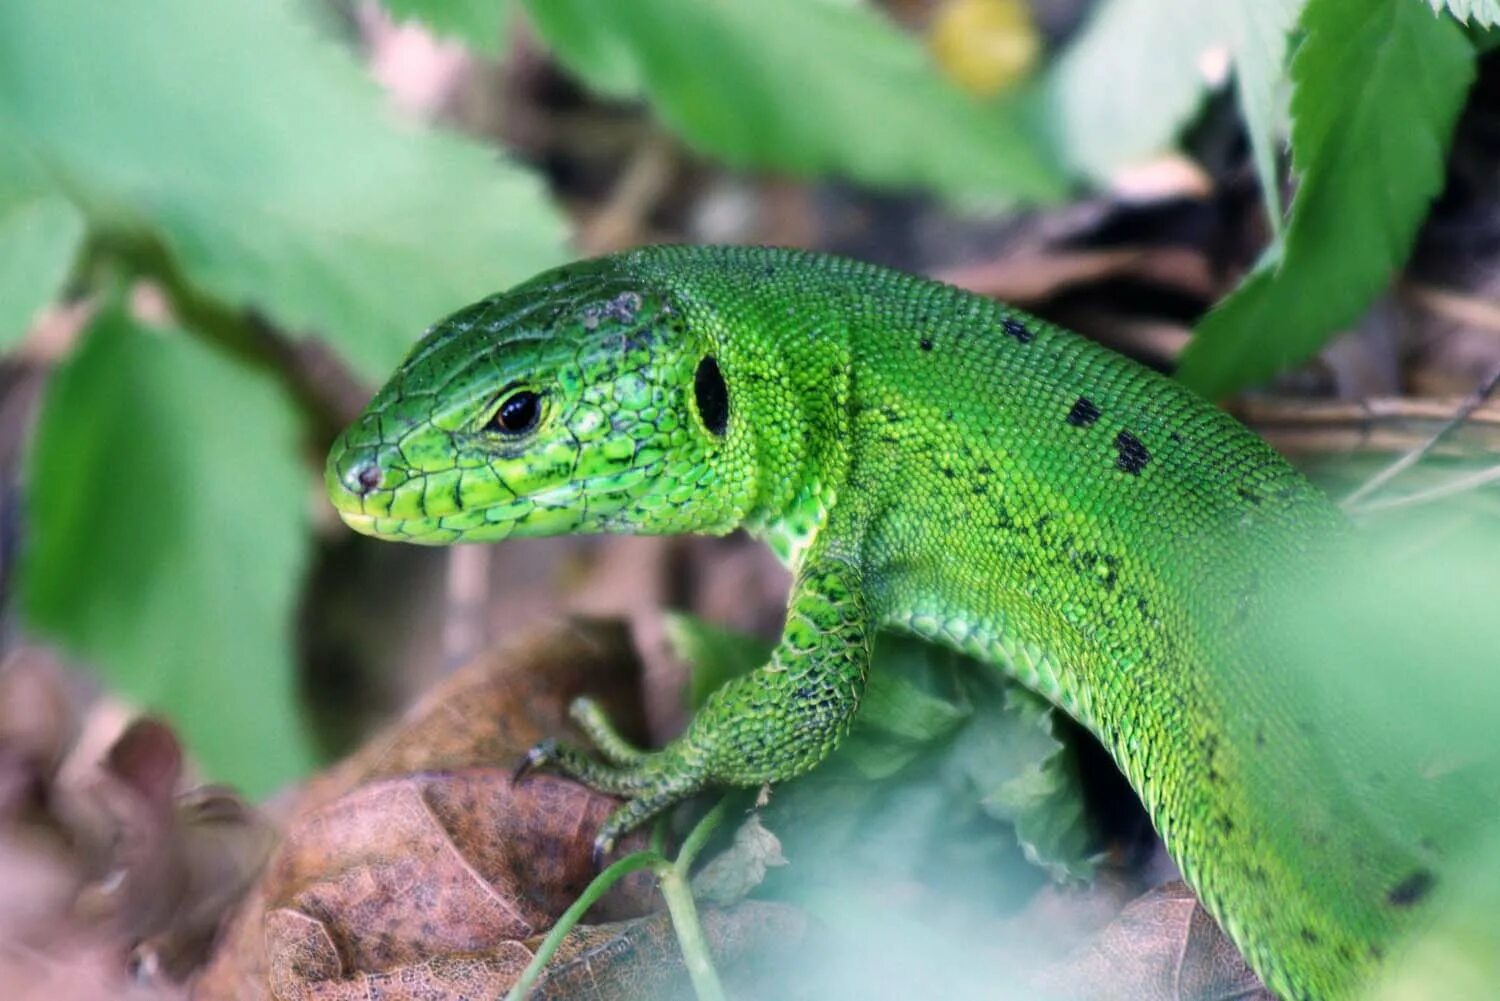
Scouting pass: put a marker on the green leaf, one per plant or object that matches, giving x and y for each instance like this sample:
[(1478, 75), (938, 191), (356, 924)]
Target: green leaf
[(1485, 13), (914, 700), (896, 707), (167, 541), (1023, 774), (808, 88), (1378, 86), (479, 24), (40, 233), (269, 165), (730, 876), (988, 753), (1126, 87)]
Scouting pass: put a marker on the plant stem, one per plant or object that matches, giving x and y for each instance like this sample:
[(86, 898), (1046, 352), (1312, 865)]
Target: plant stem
[(699, 835), (695, 955), (675, 889), (570, 918)]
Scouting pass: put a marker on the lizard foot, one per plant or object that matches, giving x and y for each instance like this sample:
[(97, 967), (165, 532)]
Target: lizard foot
[(648, 781)]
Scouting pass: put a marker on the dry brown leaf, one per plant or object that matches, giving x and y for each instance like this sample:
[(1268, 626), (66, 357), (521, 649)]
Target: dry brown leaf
[(404, 872), (123, 810), (222, 844), (619, 961), (1163, 947), (115, 879), (167, 864), (417, 864), (429, 864), (76, 966), (40, 879)]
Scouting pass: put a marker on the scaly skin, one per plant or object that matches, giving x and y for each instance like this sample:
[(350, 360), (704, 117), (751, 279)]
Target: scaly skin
[(929, 461)]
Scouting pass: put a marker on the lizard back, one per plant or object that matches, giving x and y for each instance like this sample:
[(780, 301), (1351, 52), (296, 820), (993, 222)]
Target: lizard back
[(1100, 533)]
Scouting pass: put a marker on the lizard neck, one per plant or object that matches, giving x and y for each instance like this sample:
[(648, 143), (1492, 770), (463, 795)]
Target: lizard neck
[(788, 361)]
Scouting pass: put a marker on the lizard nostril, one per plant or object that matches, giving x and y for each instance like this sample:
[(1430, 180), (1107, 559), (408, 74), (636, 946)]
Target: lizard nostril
[(363, 478)]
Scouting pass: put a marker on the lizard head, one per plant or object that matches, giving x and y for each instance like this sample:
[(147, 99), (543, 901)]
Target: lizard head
[(580, 401)]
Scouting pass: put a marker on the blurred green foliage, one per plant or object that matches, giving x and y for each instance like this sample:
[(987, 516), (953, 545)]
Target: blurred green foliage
[(264, 160), (40, 232), (479, 24), (806, 86), (167, 538)]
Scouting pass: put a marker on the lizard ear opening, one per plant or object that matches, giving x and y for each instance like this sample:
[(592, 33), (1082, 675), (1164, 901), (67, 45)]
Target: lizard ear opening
[(712, 396)]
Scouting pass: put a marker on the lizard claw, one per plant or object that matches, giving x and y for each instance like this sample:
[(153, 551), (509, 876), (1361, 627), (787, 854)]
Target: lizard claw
[(656, 781), (540, 755), (603, 845)]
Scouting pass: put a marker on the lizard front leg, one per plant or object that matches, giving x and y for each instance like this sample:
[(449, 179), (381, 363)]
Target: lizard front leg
[(767, 726)]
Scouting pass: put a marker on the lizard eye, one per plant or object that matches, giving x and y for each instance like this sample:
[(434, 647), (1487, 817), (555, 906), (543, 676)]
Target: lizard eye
[(713, 396), (517, 414)]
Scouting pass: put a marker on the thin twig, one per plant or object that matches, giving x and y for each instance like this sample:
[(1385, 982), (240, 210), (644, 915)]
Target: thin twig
[(465, 623), (1391, 425), (645, 181), (1455, 486), (1470, 404), (328, 391)]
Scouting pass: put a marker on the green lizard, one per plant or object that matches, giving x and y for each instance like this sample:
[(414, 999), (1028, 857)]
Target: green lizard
[(924, 460)]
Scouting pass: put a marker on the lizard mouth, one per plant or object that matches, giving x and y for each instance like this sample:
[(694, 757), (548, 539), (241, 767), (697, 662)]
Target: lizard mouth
[(396, 529), (555, 510), (364, 524), (462, 527)]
